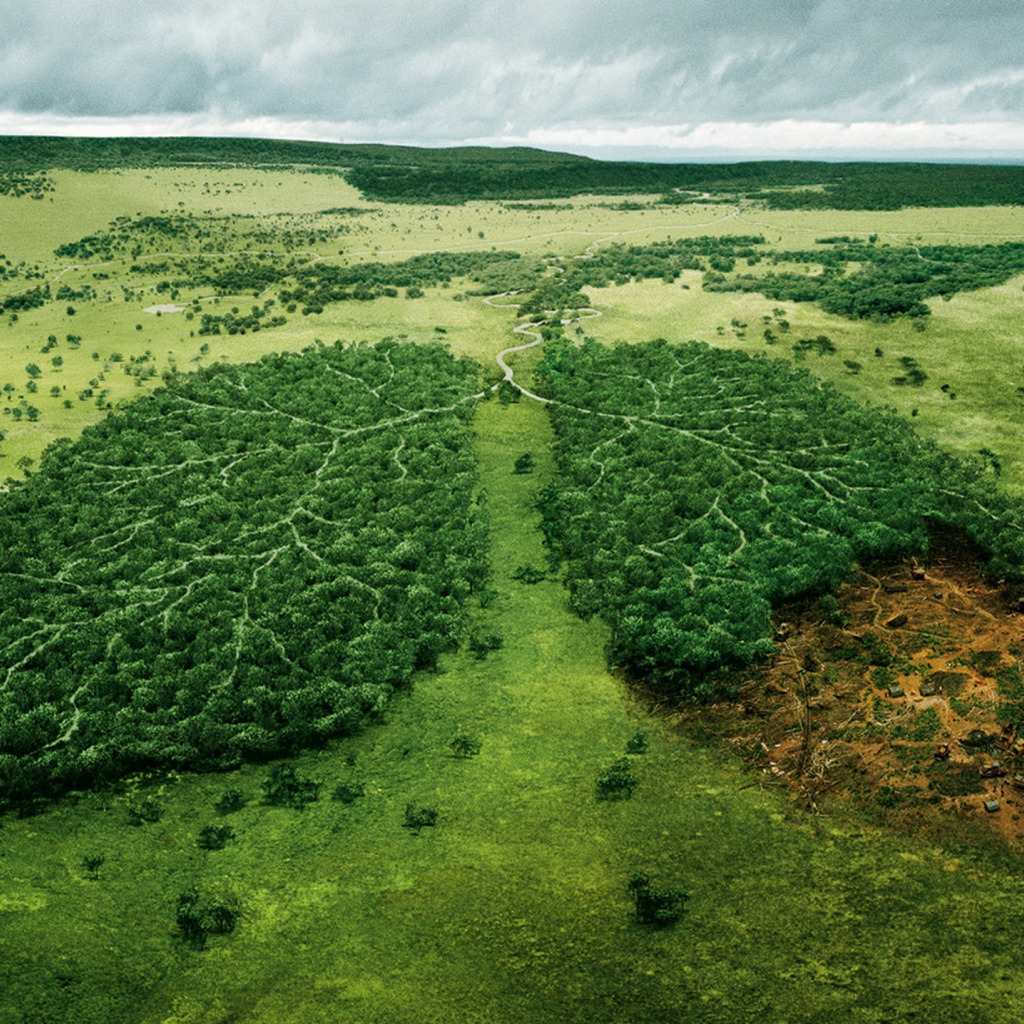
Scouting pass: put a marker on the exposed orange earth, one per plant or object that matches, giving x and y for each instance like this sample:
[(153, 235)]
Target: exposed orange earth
[(907, 700)]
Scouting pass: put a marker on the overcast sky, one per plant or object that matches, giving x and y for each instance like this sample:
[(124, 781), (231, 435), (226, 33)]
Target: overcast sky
[(661, 79)]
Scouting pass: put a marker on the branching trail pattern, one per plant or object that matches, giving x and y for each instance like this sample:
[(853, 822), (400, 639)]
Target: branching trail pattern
[(272, 561)]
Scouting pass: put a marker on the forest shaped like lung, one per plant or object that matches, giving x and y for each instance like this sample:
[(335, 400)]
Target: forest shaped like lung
[(699, 488), (246, 563)]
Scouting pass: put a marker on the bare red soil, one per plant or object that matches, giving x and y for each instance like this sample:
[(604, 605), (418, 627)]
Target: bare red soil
[(905, 701)]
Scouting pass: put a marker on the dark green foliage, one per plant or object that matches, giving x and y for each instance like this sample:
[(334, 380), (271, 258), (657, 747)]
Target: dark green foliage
[(848, 186), (877, 650), (232, 800), (524, 464), (885, 282), (481, 646), (348, 792), (822, 344), (529, 574), (214, 837), (710, 486), (617, 781), (419, 817), (92, 862), (464, 746), (247, 563), (458, 174), (146, 811), (947, 778), (284, 787), (638, 743), (508, 393), (887, 797), (834, 615), (199, 916), (656, 907)]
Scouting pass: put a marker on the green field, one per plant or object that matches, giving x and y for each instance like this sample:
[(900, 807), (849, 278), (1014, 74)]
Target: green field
[(514, 906)]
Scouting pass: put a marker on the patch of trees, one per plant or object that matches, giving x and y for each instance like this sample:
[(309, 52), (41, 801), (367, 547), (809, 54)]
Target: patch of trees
[(320, 284), (886, 282), (620, 264), (238, 323), (40, 152), (133, 238), (246, 563), (17, 184), (31, 299), (699, 487)]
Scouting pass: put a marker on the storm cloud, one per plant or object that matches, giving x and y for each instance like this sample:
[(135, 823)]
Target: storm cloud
[(699, 75)]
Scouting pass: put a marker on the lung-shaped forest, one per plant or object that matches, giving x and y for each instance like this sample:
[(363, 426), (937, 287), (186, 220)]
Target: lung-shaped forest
[(253, 559)]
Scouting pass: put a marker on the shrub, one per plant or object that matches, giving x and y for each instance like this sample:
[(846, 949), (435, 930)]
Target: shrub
[(232, 800), (348, 792), (657, 907), (616, 782), (214, 837), (148, 810), (465, 746), (92, 862), (198, 916), (419, 817), (638, 743), (284, 788)]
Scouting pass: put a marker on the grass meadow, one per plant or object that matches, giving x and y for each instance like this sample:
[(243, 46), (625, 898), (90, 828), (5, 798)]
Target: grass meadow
[(514, 906)]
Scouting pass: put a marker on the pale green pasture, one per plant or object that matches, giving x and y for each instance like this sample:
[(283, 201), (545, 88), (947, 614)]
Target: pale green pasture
[(797, 229), (973, 343), (85, 203)]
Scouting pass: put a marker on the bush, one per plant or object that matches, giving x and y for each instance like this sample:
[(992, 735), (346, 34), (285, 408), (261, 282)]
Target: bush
[(616, 782), (465, 746), (419, 817), (657, 907), (214, 837), (92, 862), (638, 743), (284, 788), (199, 916), (348, 792), (232, 800), (482, 646), (148, 810)]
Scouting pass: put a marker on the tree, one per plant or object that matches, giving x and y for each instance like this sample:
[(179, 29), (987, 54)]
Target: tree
[(617, 781), (656, 907), (92, 862), (283, 787), (419, 817), (348, 792), (214, 837), (464, 746)]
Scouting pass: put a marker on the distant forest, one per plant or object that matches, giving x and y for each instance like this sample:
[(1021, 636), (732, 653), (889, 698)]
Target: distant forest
[(456, 175)]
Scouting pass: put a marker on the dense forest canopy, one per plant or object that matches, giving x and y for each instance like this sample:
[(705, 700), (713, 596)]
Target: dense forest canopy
[(246, 563), (700, 487)]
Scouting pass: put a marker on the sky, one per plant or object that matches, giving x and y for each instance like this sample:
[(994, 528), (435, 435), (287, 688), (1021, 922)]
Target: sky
[(652, 79)]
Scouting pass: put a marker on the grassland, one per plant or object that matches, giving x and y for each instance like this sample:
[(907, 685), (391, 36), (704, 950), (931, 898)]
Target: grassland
[(514, 906)]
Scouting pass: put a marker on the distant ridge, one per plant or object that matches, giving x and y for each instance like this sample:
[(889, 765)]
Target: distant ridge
[(456, 175)]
